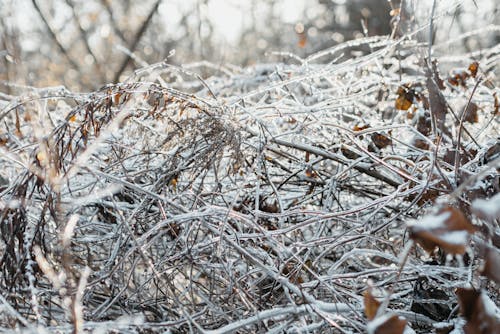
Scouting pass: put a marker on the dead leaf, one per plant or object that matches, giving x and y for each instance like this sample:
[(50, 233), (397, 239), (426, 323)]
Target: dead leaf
[(116, 98), (491, 268), (487, 209), (436, 100), (471, 115), (360, 127), (380, 140), (437, 78), (421, 144), (311, 172), (448, 229), (405, 98), (479, 311), (496, 105), (18, 125), (387, 324), (349, 153), (302, 40), (473, 67), (4, 139), (395, 11), (424, 124), (269, 207), (371, 304)]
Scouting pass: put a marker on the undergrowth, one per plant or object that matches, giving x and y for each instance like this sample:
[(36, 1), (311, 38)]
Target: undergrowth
[(309, 195)]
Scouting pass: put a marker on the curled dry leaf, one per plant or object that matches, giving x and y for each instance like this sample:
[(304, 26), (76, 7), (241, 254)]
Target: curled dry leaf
[(496, 105), (480, 312), (487, 209), (471, 114), (18, 125), (436, 100), (380, 140), (491, 268), (371, 304), (387, 324), (395, 11), (360, 127), (448, 229), (437, 78), (473, 67), (405, 98)]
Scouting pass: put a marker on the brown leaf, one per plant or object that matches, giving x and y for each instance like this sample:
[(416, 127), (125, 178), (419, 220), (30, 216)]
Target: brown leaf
[(18, 125), (4, 139), (453, 80), (437, 78), (269, 207), (450, 153), (420, 143), (116, 98), (448, 229), (311, 172), (395, 11), (473, 67), (437, 101), (302, 40), (380, 140), (349, 153), (405, 98), (471, 113), (487, 209), (496, 105), (387, 324), (371, 304), (173, 182), (360, 127), (479, 311), (424, 124), (491, 268)]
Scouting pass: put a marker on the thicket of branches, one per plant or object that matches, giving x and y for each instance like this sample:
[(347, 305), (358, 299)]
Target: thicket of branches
[(85, 44), (320, 194)]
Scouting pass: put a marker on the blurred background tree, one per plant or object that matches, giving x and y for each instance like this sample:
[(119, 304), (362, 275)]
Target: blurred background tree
[(84, 44)]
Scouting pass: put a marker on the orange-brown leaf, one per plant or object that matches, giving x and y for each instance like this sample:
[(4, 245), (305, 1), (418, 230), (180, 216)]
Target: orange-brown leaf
[(402, 103), (473, 67), (395, 11), (311, 172), (173, 183), (302, 40), (371, 304), (116, 98), (360, 127), (4, 139), (405, 98)]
